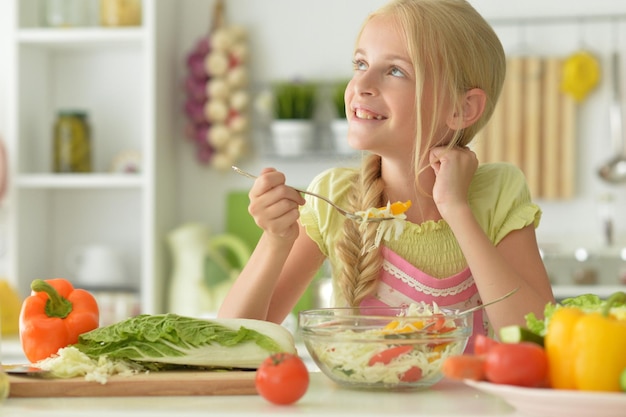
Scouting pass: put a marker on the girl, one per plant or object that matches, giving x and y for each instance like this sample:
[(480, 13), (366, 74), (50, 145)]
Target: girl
[(427, 75)]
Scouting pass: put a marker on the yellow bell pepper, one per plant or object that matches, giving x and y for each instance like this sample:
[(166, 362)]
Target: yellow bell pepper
[(586, 351), (10, 305)]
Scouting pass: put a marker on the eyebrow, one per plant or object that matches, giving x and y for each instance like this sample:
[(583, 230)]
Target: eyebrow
[(391, 57)]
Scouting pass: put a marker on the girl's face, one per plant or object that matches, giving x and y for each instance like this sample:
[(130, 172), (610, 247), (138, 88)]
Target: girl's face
[(380, 98)]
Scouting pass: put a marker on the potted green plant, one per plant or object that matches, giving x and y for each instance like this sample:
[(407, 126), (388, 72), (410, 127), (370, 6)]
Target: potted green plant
[(294, 106), (339, 125), (338, 96)]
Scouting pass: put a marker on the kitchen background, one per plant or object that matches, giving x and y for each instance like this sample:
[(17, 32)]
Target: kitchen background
[(132, 83)]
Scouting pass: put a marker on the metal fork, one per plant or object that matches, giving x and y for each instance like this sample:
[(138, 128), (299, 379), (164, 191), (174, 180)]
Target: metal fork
[(481, 306), (347, 214)]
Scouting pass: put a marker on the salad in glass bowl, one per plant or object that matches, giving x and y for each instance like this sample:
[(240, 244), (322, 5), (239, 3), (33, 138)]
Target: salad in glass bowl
[(384, 347)]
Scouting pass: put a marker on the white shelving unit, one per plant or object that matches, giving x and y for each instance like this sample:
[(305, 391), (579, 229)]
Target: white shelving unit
[(122, 80)]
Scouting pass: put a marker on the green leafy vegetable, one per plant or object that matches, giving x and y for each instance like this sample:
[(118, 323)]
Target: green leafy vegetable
[(586, 302), (170, 340)]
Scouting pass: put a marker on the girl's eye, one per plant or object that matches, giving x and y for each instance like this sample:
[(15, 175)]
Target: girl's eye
[(359, 65), (396, 72)]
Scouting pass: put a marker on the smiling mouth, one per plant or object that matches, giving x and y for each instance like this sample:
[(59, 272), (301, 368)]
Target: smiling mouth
[(363, 114)]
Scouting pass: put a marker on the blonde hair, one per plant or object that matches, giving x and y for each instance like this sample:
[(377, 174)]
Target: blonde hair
[(452, 47)]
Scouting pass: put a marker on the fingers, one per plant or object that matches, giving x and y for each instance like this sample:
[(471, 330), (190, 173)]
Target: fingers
[(454, 169), (458, 155), (434, 160), (271, 186), (273, 204)]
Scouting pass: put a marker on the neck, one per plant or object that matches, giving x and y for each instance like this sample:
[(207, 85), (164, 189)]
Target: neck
[(402, 185)]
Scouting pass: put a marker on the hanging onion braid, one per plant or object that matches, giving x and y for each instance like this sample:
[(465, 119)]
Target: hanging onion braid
[(359, 267)]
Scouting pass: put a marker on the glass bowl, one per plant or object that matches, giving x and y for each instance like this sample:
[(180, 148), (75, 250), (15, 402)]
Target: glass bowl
[(383, 347)]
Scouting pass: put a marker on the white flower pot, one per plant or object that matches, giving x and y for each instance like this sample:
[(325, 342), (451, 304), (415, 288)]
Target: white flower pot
[(292, 137), (339, 129)]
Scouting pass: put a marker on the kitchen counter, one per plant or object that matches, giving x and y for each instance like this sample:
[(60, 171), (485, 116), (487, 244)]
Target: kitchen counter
[(324, 398)]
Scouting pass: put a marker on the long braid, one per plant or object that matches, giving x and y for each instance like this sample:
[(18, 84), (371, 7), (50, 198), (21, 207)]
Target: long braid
[(359, 267), (432, 29)]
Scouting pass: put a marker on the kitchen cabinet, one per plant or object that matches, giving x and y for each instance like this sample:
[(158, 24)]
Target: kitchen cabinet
[(121, 76), (585, 270)]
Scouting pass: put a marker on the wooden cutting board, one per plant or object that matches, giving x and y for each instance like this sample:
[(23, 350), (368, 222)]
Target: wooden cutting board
[(166, 383)]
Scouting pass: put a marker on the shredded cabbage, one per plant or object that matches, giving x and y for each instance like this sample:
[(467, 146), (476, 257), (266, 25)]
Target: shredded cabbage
[(70, 362), (388, 229), (347, 356)]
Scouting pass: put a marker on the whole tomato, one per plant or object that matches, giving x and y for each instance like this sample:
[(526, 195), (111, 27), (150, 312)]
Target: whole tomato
[(282, 378), (483, 344), (524, 364)]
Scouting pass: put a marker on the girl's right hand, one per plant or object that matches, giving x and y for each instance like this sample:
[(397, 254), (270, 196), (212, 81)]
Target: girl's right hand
[(274, 205)]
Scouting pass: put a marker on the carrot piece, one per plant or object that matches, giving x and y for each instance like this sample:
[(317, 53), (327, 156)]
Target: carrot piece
[(464, 367), (399, 207)]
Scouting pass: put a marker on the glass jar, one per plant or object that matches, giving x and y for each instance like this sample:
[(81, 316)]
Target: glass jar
[(65, 13), (72, 142), (120, 12)]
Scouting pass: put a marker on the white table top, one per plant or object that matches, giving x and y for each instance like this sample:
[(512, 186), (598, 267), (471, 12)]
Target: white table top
[(324, 398)]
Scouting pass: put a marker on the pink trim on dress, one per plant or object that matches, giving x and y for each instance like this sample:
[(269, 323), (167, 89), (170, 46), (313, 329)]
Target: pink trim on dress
[(401, 284)]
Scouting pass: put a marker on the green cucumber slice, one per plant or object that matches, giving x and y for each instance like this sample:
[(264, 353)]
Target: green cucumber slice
[(516, 334)]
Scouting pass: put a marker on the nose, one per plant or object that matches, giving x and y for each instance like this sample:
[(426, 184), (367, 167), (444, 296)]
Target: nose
[(364, 84)]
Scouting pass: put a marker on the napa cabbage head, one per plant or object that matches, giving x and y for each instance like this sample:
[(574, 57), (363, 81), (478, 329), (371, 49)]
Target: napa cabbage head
[(170, 341)]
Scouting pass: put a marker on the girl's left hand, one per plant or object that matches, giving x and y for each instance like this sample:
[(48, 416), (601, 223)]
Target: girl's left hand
[(454, 169)]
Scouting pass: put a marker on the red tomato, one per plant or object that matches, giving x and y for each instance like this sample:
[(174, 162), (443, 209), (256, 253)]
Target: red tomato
[(413, 374), (439, 321), (388, 355), (282, 378), (524, 364), (482, 344)]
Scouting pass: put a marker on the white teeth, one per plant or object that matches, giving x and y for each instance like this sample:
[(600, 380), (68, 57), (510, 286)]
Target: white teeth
[(364, 115)]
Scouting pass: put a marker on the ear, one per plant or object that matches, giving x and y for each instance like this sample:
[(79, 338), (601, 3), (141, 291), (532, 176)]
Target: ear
[(473, 103)]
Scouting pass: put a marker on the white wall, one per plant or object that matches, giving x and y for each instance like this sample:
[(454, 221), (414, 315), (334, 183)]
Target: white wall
[(313, 39), (288, 39), (4, 38)]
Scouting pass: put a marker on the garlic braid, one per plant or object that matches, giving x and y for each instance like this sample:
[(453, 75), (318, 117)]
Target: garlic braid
[(359, 268)]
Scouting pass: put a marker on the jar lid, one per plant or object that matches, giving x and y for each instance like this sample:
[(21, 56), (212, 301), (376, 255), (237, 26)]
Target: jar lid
[(72, 113)]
